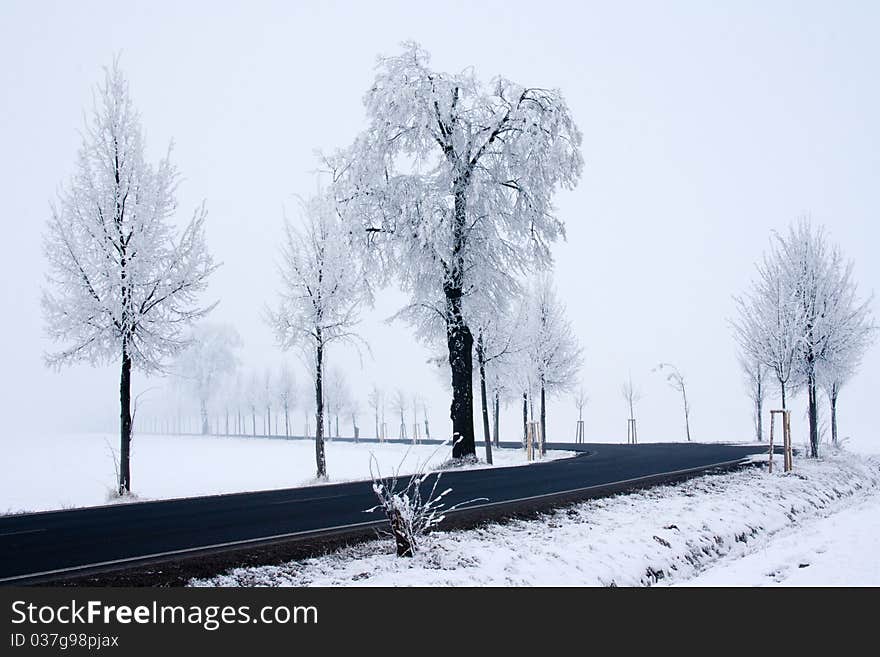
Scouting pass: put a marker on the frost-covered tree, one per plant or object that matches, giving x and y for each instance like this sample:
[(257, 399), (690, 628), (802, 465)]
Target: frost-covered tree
[(321, 296), (400, 403), (769, 322), (252, 392), (123, 283), (337, 398), (676, 380), (376, 400), (209, 358), (554, 357), (453, 180), (494, 348), (755, 377), (807, 295), (286, 389)]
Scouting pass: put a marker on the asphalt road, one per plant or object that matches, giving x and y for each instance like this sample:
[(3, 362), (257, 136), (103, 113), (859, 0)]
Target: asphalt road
[(40, 545)]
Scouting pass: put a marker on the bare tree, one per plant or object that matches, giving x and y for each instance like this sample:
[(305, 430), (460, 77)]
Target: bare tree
[(580, 401), (455, 179), (631, 396), (122, 284), (321, 297), (676, 379)]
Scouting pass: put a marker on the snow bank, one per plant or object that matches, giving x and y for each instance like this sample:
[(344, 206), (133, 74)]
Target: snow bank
[(666, 533)]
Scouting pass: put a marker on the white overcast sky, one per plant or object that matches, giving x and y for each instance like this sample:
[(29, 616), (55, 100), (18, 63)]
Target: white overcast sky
[(706, 125)]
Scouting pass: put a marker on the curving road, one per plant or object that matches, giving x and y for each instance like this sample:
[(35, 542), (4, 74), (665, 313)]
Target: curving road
[(51, 545)]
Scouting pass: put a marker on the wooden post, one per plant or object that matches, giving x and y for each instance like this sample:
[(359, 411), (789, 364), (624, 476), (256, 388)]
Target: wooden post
[(789, 465), (632, 437), (770, 462)]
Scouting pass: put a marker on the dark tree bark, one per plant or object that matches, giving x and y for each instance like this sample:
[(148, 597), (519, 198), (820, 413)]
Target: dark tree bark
[(125, 423), (813, 413), (286, 420), (459, 338), (320, 458), (759, 410), (525, 417), (496, 420), (834, 415), (782, 388), (543, 421), (484, 403)]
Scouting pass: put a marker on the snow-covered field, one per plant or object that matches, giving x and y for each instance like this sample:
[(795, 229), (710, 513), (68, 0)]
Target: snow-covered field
[(62, 471), (818, 525)]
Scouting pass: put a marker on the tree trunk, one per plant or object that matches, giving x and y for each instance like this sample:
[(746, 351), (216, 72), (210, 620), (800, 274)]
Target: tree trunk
[(203, 409), (813, 413), (495, 420), (320, 457), (687, 420), (525, 417), (125, 423), (834, 415), (287, 420), (782, 388), (378, 436), (543, 421), (459, 338), (254, 421), (759, 408), (484, 402)]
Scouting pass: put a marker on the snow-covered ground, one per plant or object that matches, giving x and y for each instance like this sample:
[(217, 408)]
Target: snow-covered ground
[(63, 471), (745, 527), (839, 549)]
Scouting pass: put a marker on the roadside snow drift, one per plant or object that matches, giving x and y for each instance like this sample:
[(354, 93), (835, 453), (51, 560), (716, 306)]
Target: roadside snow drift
[(666, 533)]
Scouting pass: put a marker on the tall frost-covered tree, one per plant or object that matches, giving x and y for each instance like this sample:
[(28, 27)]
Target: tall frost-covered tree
[(852, 334), (495, 347), (123, 282), (554, 356), (208, 359), (453, 180), (320, 299), (768, 326)]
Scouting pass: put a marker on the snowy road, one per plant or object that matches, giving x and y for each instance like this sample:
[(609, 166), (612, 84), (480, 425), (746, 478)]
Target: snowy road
[(47, 544)]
